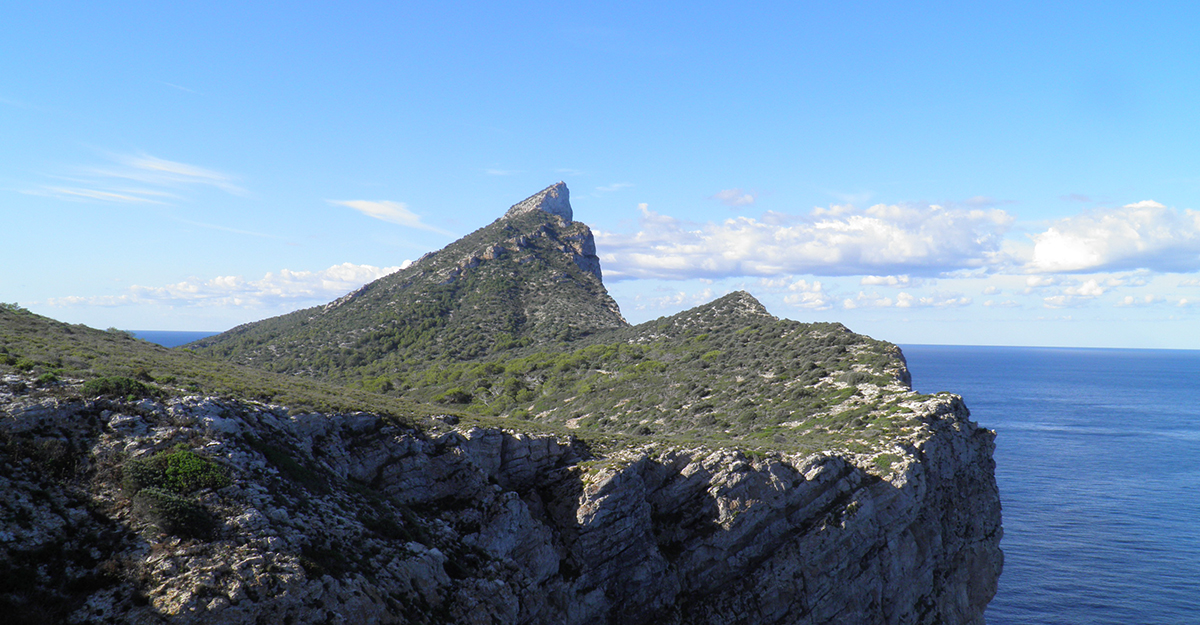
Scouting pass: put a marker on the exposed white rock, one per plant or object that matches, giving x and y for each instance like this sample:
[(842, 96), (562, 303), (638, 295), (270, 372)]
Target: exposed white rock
[(554, 199)]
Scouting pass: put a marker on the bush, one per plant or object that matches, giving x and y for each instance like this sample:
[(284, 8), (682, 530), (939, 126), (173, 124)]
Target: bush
[(455, 395), (116, 387), (172, 514), (179, 470)]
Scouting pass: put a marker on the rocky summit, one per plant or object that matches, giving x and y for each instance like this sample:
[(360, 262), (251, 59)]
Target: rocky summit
[(481, 438)]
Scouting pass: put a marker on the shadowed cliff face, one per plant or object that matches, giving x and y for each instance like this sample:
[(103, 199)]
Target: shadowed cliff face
[(328, 515)]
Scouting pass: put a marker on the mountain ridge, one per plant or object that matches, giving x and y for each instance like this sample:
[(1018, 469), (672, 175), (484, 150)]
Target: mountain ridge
[(513, 320)]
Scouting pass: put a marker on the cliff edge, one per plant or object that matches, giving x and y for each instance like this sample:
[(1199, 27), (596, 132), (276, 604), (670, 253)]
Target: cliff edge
[(355, 518)]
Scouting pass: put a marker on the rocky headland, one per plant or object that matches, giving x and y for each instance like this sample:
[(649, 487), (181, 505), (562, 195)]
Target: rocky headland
[(350, 518), (482, 438)]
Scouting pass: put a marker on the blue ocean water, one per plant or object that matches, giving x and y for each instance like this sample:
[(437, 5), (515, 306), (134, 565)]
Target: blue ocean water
[(169, 338), (1098, 463)]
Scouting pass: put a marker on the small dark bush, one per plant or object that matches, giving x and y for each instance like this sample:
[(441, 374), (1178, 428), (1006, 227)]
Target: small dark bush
[(172, 514), (116, 387), (454, 396)]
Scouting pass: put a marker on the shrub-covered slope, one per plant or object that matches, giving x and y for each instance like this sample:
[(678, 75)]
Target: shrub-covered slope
[(116, 364), (726, 370), (531, 277), (514, 321)]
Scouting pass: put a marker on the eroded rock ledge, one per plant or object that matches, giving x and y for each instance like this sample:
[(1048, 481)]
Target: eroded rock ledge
[(349, 518)]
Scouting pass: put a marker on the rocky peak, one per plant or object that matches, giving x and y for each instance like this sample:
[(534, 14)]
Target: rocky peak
[(554, 199)]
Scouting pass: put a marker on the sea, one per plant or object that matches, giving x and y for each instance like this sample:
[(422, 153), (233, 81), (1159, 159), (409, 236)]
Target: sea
[(168, 338), (1098, 464)]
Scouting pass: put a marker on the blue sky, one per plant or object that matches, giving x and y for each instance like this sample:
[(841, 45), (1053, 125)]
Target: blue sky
[(924, 173)]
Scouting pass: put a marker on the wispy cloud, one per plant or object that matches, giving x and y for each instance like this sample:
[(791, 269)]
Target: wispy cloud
[(162, 172), (880, 240), (228, 229), (160, 181), (616, 186), (285, 288), (78, 193), (391, 212), (502, 172), (174, 86), (734, 198), (906, 300), (16, 103)]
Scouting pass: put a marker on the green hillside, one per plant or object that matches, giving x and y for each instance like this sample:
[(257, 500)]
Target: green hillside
[(523, 280), (63, 355), (513, 321)]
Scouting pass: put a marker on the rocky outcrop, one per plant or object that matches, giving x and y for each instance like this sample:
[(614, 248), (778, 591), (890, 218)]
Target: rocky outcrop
[(359, 518), (554, 199)]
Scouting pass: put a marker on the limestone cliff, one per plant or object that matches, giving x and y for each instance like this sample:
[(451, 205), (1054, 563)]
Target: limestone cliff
[(358, 518)]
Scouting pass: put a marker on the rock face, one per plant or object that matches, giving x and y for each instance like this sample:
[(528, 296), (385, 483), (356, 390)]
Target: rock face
[(554, 199), (356, 518)]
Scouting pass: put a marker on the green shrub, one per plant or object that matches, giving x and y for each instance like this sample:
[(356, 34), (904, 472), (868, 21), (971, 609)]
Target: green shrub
[(885, 461), (179, 470), (116, 387), (47, 378), (172, 514), (455, 395)]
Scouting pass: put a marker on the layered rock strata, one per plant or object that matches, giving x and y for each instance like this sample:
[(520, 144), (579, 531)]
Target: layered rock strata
[(355, 518)]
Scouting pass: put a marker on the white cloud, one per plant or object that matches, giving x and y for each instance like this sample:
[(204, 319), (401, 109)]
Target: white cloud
[(1037, 282), (991, 290), (1146, 300), (1142, 235), (735, 197), (906, 300), (1076, 294), (616, 186), (674, 301), (896, 281), (810, 295), (881, 240), (391, 212), (286, 288), (1008, 303)]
